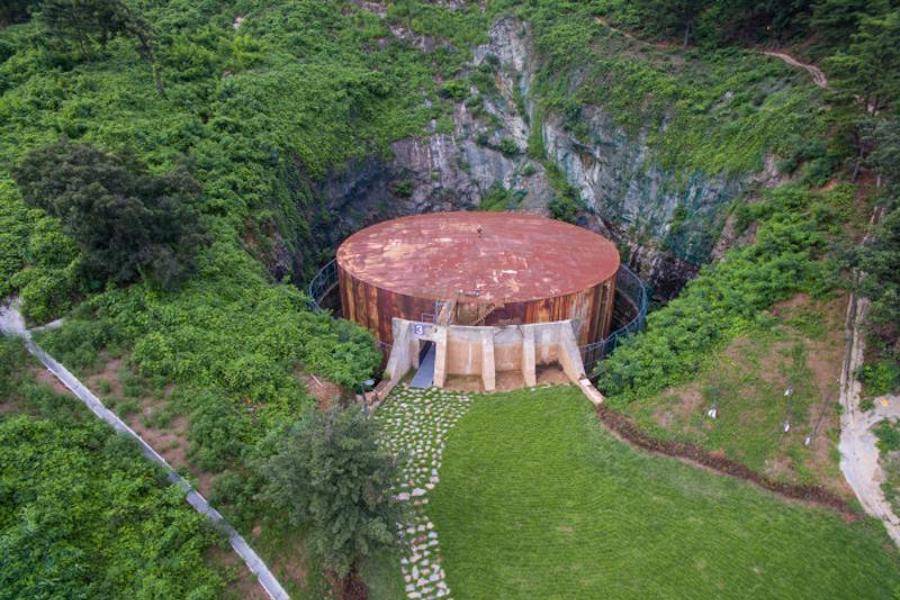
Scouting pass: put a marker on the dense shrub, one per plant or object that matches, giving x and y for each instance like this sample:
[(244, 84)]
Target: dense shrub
[(82, 510), (127, 222), (728, 297)]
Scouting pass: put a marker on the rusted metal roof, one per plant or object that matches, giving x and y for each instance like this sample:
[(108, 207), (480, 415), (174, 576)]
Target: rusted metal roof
[(478, 257)]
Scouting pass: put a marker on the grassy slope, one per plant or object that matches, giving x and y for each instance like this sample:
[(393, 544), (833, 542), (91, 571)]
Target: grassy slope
[(537, 501), (800, 348)]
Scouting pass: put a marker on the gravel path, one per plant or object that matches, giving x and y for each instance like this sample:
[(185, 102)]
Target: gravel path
[(11, 323), (859, 453)]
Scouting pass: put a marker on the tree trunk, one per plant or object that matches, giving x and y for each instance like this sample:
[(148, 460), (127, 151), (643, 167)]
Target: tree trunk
[(687, 34), (860, 142), (351, 587)]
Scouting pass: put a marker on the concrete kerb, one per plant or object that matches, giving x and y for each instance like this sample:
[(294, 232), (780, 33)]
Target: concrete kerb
[(11, 324)]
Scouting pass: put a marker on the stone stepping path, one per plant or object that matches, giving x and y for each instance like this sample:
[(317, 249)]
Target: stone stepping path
[(415, 424)]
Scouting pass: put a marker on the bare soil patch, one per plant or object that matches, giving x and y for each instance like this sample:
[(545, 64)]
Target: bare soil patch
[(326, 393), (551, 375), (464, 383), (45, 377)]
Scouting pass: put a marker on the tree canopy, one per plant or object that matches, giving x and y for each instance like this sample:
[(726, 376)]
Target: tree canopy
[(330, 475), (128, 223)]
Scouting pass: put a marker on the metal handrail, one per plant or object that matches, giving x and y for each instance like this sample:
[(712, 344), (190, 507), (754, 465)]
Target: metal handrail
[(630, 287), (321, 284)]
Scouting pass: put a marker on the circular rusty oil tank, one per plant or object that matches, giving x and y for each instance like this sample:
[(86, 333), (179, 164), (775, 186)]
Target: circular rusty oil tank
[(493, 268)]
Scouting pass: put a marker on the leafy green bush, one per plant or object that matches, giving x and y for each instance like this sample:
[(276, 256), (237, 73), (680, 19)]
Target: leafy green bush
[(882, 377), (498, 198), (728, 297), (508, 147), (888, 434), (566, 202), (455, 89), (83, 510)]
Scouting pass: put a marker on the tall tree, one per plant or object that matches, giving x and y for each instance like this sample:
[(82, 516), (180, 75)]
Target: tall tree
[(869, 70), (867, 76), (837, 20), (672, 17), (15, 11), (127, 222), (87, 23), (331, 475)]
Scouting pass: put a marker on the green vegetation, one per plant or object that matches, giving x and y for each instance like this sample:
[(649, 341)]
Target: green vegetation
[(888, 435), (81, 510), (728, 298), (715, 111), (880, 260), (567, 201), (330, 475), (536, 500), (159, 172), (252, 115), (126, 223), (798, 347), (499, 198)]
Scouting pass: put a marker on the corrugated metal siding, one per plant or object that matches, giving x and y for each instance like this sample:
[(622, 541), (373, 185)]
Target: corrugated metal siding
[(374, 308)]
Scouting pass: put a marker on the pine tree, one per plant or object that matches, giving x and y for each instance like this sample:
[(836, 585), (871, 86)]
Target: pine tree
[(330, 475)]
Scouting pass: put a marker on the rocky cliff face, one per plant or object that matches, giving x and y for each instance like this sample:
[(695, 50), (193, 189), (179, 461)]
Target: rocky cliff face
[(665, 223)]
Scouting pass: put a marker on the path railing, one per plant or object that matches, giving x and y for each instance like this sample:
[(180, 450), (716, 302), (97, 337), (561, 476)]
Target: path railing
[(11, 323), (631, 305), (322, 284)]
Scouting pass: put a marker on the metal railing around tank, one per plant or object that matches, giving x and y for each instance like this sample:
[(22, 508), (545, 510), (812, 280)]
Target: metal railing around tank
[(629, 313), (630, 310), (322, 284)]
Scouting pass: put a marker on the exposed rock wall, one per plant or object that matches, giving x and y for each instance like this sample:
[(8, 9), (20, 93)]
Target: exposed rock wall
[(665, 223)]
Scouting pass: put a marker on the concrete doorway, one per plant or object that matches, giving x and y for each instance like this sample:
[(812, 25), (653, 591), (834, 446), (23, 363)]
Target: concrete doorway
[(424, 377)]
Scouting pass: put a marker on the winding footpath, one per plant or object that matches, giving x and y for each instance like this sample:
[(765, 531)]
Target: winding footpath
[(859, 452), (11, 323), (817, 74), (416, 423)]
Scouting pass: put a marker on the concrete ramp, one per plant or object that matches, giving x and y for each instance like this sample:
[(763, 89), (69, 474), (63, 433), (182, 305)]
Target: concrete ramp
[(424, 377)]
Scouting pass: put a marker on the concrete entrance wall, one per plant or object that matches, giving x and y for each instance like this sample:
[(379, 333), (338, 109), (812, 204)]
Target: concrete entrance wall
[(486, 350)]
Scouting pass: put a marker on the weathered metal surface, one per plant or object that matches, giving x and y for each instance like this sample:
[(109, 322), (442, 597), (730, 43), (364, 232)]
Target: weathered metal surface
[(498, 268)]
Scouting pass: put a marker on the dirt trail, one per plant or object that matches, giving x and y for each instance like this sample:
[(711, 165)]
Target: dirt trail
[(604, 23), (817, 74), (859, 453)]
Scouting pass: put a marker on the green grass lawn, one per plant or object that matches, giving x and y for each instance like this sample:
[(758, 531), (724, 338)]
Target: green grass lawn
[(802, 349), (537, 501)]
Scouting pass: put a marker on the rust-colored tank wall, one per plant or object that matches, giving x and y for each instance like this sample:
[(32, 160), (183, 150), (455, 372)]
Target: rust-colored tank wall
[(374, 308)]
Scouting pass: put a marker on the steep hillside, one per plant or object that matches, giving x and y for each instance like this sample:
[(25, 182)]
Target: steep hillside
[(733, 181)]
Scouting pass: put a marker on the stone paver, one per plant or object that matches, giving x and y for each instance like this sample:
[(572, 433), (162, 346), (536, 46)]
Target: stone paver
[(415, 424)]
